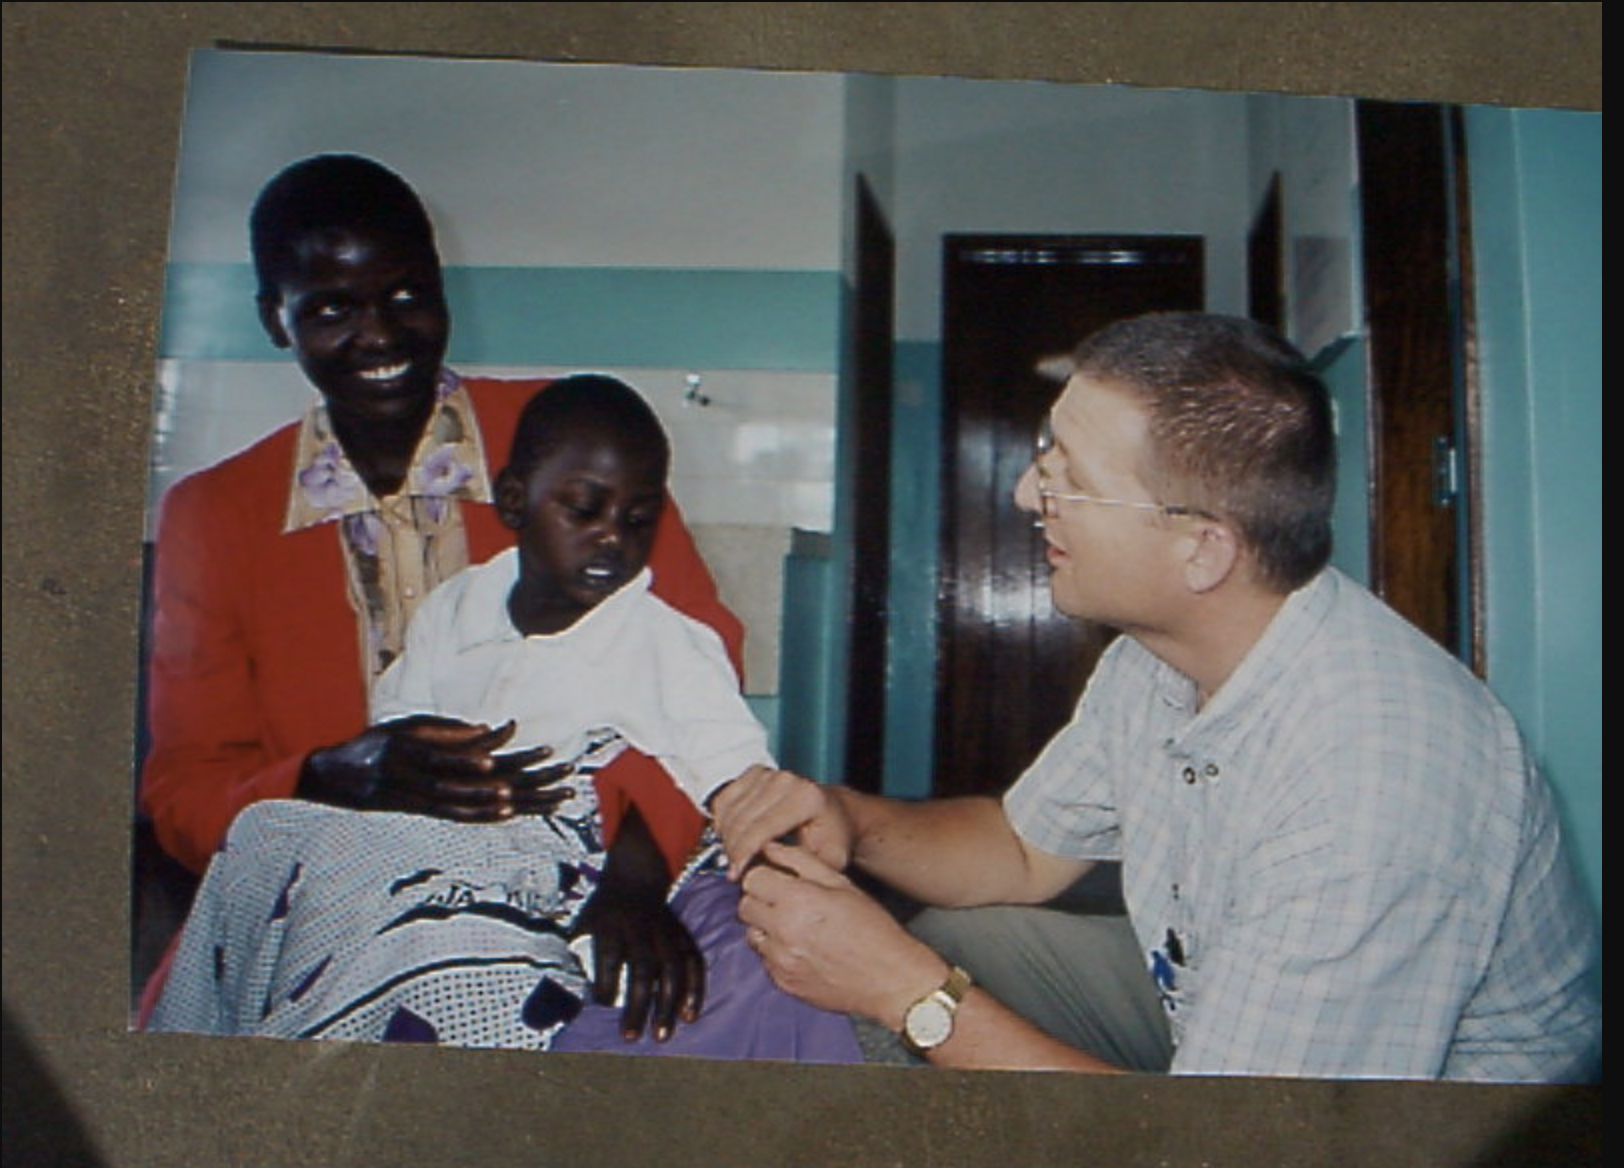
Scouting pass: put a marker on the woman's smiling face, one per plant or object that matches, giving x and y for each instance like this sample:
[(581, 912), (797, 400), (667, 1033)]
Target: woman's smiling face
[(365, 316)]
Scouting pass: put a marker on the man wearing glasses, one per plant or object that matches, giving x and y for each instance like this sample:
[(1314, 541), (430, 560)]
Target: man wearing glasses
[(1337, 859)]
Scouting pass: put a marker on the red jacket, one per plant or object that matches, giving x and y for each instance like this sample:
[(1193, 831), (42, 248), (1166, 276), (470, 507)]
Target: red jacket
[(254, 655)]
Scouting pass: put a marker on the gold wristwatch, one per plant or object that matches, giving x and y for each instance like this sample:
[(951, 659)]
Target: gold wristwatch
[(929, 1022)]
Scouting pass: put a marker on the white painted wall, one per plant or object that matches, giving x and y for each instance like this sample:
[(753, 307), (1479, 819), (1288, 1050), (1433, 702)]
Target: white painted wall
[(533, 164), (552, 165), (1036, 157)]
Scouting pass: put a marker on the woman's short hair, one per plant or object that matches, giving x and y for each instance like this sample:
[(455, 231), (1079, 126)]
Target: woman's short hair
[(328, 193), (1239, 424)]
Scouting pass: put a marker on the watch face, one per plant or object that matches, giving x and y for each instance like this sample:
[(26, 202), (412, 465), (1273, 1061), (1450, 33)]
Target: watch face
[(928, 1023)]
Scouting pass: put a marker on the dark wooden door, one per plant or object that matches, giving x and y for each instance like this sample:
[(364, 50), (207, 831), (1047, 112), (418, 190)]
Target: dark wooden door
[(1416, 237), (1010, 668), (873, 307)]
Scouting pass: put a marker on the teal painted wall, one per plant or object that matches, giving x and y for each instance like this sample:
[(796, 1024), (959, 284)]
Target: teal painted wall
[(807, 682), (916, 520), (815, 647), (1345, 371), (836, 622), (1537, 226), (703, 318), (762, 322)]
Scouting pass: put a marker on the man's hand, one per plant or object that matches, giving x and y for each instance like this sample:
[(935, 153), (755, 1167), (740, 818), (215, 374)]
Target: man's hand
[(435, 766), (823, 940), (828, 943), (765, 804), (638, 942)]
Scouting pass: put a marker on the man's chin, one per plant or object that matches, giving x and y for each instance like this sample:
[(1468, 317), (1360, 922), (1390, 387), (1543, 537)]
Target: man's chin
[(1068, 604)]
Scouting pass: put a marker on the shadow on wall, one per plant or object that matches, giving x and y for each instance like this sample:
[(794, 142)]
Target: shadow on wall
[(1563, 1131), (41, 1129)]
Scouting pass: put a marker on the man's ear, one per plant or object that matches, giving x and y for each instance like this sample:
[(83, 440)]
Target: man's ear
[(510, 498), (1214, 553), (270, 319)]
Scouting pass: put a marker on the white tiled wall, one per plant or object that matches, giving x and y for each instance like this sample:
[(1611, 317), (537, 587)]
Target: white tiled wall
[(752, 461)]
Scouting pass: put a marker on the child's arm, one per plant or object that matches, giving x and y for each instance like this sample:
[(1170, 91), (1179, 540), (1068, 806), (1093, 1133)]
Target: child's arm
[(635, 781)]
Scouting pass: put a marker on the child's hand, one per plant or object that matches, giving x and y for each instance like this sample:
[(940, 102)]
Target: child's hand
[(644, 960), (435, 766), (639, 945)]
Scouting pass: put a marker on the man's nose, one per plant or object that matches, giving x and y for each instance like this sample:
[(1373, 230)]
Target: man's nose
[(1026, 490)]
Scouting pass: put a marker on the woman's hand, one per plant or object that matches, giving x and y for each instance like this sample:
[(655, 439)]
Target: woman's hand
[(637, 941), (435, 766)]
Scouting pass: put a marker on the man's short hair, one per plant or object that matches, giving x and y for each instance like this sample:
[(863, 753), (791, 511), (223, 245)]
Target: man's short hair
[(1240, 426), (330, 193), (559, 413)]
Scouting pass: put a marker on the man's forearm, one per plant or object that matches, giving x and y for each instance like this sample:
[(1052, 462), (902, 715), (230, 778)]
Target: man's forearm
[(952, 853), (988, 1036)]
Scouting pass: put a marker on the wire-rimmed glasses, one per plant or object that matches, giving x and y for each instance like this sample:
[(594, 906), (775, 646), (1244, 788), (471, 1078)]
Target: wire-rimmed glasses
[(1049, 498)]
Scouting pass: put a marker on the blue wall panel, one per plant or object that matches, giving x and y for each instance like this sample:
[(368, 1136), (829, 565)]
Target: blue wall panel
[(1537, 225), (579, 317)]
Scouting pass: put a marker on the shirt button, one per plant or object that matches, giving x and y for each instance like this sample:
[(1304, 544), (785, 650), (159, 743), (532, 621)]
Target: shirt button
[(1189, 774), (1212, 770)]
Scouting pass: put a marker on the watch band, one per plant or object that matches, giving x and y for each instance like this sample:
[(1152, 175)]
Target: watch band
[(958, 984)]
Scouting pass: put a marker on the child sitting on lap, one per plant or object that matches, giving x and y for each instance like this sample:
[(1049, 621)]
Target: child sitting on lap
[(319, 921)]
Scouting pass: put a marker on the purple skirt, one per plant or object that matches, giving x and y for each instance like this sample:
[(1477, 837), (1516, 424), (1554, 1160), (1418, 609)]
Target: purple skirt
[(746, 1016)]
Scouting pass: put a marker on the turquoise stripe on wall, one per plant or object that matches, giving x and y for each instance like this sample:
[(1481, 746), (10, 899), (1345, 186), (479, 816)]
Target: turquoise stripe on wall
[(1342, 366), (656, 317), (916, 520), (1537, 222), (806, 683)]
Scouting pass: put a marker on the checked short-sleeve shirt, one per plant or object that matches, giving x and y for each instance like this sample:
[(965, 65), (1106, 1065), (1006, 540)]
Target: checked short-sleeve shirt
[(1343, 865)]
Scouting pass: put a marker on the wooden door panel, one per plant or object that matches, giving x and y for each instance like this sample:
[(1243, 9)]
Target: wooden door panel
[(1415, 314), (1010, 668)]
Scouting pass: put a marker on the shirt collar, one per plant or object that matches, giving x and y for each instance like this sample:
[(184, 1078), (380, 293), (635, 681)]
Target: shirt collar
[(1283, 643), (484, 606), (449, 463)]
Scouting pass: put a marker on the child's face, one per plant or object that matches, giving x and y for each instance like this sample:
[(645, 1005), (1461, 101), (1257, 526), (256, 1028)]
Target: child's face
[(585, 517), (366, 319)]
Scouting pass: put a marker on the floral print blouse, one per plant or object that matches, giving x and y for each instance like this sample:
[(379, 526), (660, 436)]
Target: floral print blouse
[(397, 549)]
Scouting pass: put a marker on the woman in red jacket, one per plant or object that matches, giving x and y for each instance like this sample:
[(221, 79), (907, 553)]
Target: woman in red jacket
[(285, 575)]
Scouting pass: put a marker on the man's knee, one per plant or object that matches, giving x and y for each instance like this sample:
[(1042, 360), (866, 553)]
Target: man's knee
[(998, 934), (953, 932), (1080, 977)]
